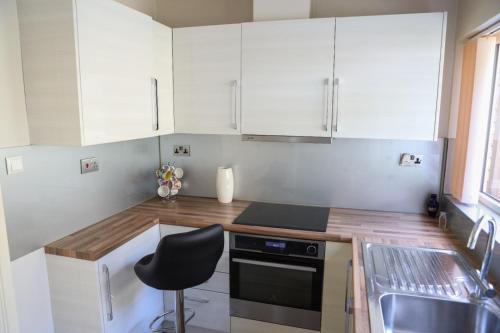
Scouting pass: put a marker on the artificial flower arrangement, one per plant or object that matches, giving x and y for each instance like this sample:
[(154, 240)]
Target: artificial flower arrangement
[(169, 181)]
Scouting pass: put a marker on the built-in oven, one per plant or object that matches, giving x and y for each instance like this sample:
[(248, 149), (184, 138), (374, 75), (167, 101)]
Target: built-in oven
[(277, 280)]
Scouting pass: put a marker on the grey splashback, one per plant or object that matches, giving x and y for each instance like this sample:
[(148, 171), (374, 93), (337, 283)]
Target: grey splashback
[(461, 218), (51, 199), (348, 173)]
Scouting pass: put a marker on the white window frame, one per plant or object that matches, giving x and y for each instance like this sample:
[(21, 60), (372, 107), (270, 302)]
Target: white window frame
[(485, 198), (489, 202)]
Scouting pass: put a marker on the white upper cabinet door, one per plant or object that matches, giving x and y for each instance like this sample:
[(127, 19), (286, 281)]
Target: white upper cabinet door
[(115, 62), (207, 70), (388, 76), (163, 96), (13, 122), (287, 74), (128, 305)]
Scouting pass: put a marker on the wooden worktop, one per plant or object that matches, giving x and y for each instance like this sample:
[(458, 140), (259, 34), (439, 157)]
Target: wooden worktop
[(344, 225), (97, 240)]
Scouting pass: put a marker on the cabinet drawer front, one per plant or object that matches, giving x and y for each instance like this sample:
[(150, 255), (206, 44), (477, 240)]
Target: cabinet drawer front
[(223, 264), (212, 315), (212, 308), (219, 282)]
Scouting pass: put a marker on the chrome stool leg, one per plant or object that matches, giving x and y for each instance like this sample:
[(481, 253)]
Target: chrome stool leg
[(180, 320), (180, 325)]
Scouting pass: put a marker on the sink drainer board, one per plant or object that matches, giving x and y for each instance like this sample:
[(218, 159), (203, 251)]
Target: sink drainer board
[(421, 290), (427, 272)]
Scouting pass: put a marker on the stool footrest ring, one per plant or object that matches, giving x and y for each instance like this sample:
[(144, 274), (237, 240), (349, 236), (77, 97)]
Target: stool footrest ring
[(169, 329)]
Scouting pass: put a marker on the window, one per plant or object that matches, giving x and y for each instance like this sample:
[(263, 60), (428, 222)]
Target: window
[(491, 176)]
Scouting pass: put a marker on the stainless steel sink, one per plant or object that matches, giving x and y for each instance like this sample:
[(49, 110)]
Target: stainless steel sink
[(421, 290), (408, 313)]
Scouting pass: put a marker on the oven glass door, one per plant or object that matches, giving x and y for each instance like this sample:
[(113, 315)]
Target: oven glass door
[(276, 279)]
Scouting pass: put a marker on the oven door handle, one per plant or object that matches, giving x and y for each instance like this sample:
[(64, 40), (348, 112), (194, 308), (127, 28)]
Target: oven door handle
[(276, 265)]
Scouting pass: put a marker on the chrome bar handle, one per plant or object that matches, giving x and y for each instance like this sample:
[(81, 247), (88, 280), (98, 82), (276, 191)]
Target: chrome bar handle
[(336, 83), (197, 299), (154, 97), (107, 285), (234, 121), (326, 99), (275, 265)]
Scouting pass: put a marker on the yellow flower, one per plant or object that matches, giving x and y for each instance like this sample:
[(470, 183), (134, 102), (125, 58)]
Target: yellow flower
[(167, 175)]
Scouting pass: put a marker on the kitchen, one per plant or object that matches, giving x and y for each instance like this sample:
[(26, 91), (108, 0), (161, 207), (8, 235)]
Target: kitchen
[(313, 131)]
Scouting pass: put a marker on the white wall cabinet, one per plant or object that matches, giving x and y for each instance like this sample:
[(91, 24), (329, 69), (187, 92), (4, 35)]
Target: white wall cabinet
[(287, 77), (13, 122), (210, 300), (388, 70), (92, 82), (163, 96), (207, 65), (105, 295)]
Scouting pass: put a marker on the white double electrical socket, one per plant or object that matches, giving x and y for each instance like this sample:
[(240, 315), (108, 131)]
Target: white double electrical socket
[(182, 150), (411, 159), (89, 165)]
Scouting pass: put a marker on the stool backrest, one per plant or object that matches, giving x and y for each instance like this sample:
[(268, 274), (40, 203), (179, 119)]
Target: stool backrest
[(184, 260)]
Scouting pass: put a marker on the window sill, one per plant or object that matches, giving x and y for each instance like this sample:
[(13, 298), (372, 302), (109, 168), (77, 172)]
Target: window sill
[(475, 212), (489, 203)]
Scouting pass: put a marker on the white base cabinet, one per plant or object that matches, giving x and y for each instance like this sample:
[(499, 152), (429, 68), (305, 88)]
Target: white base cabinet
[(210, 300), (104, 296), (333, 316)]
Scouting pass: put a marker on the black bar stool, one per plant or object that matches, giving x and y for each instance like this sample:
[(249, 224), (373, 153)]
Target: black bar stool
[(181, 261)]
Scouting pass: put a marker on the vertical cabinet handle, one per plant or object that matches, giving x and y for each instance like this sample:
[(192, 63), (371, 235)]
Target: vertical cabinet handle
[(197, 299), (336, 83), (234, 121), (107, 286), (154, 97), (326, 111), (348, 298)]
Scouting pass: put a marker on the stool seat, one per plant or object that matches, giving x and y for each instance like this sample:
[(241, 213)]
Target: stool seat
[(182, 261)]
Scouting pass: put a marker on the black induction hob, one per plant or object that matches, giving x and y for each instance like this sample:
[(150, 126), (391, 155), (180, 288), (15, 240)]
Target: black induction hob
[(285, 216)]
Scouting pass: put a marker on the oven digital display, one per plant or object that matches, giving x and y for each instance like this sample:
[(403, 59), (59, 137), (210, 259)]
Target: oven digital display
[(276, 245)]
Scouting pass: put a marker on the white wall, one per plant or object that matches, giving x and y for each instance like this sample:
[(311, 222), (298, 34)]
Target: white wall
[(349, 173), (51, 199), (473, 14)]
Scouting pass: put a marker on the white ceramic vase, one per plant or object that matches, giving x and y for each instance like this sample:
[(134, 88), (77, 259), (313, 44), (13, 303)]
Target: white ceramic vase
[(225, 184)]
